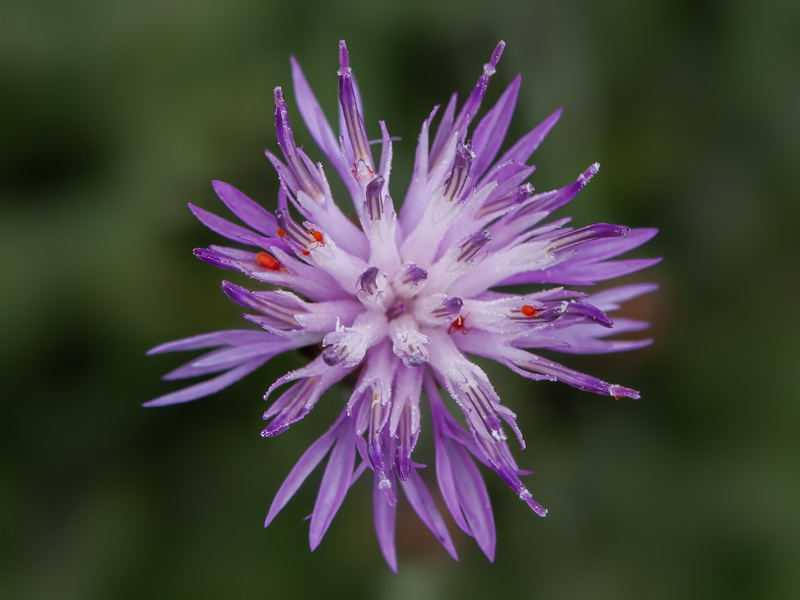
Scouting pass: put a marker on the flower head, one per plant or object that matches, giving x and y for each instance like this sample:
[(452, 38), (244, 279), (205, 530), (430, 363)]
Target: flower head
[(403, 297)]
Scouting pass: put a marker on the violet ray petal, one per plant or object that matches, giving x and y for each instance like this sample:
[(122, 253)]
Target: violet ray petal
[(250, 212), (229, 230), (611, 299), (334, 486), (599, 346), (210, 340), (473, 101), (473, 499), (491, 131), (302, 469), (384, 516), (583, 274), (421, 501), (444, 129), (208, 387), (597, 250), (527, 145), (536, 367), (225, 358)]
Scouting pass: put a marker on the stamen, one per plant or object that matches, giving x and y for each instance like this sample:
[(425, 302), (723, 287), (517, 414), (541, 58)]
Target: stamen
[(414, 274), (481, 402), (471, 247), (459, 175), (527, 310), (333, 355), (368, 282), (352, 118), (586, 234), (288, 227), (408, 343), (304, 179), (448, 308), (405, 436), (516, 197), (279, 308), (374, 202)]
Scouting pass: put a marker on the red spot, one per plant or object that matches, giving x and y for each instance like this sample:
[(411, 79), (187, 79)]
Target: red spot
[(305, 252), (318, 239), (281, 233), (459, 324), (267, 261), (528, 310)]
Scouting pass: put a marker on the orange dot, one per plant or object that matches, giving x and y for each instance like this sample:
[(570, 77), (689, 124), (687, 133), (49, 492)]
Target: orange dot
[(281, 233), (528, 310), (267, 261)]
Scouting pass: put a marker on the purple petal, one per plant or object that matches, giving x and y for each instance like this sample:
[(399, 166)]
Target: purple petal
[(610, 300), (384, 516), (602, 249), (207, 387), (229, 230), (420, 499), (243, 207), (225, 358), (491, 131), (209, 340), (462, 486), (301, 470), (527, 145), (334, 486)]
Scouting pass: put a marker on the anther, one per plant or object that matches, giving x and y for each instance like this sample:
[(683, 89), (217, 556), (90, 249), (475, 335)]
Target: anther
[(458, 176), (374, 202), (414, 274), (449, 307), (471, 247), (368, 281), (527, 310)]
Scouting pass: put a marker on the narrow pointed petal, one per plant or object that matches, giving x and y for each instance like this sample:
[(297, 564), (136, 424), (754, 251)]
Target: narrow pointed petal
[(302, 469), (206, 388), (420, 499), (334, 486), (385, 517), (229, 230), (491, 131)]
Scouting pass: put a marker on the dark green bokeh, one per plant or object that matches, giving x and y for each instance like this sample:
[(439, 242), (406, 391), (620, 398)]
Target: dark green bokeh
[(114, 115)]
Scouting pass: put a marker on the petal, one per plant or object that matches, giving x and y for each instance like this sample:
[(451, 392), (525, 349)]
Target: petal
[(420, 499), (243, 207), (491, 131), (302, 469), (384, 514), (207, 387), (334, 486), (229, 230)]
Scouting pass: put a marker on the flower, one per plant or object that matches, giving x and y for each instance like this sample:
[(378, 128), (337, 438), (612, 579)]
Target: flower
[(401, 299)]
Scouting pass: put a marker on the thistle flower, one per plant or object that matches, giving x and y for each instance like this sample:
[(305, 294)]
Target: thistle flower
[(402, 298)]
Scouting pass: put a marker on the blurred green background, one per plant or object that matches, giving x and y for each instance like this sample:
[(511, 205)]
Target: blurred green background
[(116, 114)]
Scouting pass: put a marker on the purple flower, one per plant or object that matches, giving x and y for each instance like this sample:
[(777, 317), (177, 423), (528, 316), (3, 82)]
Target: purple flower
[(401, 299)]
